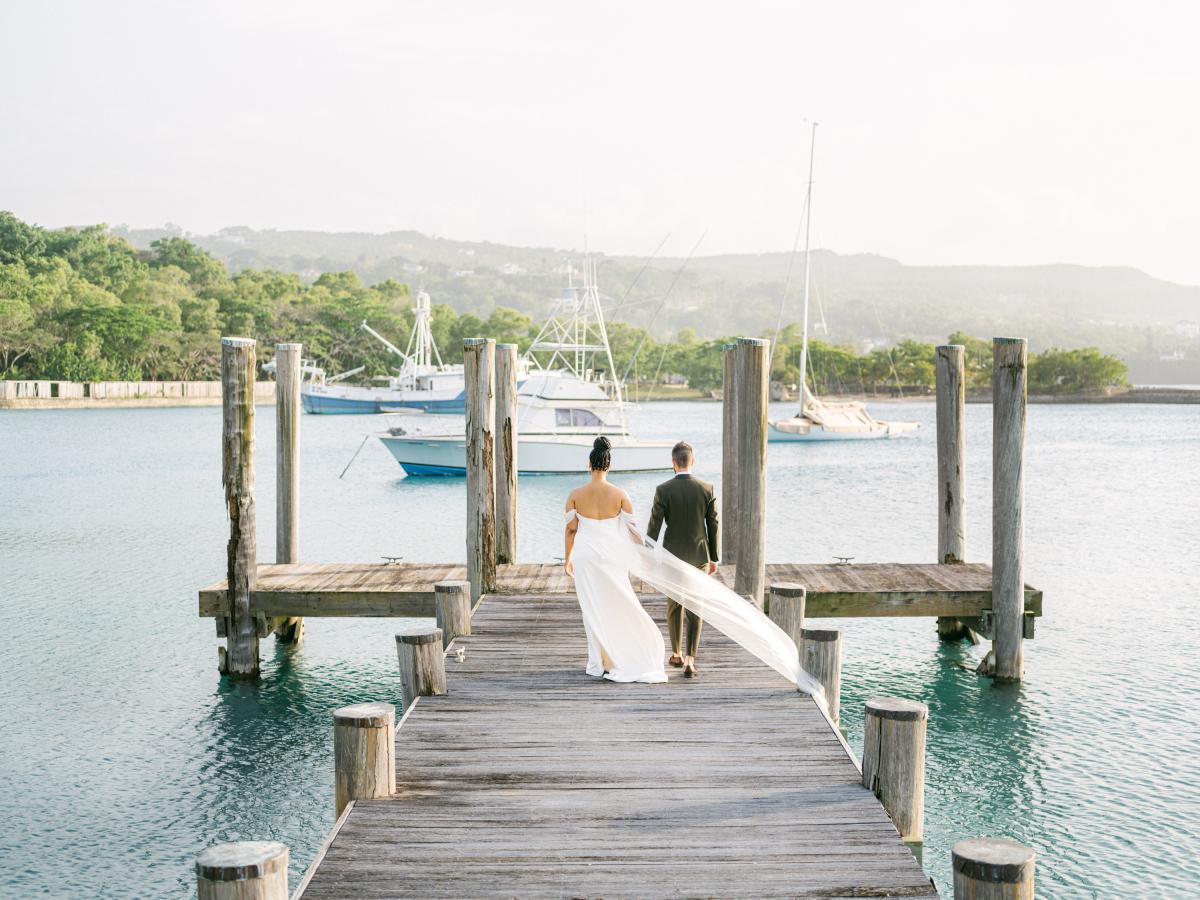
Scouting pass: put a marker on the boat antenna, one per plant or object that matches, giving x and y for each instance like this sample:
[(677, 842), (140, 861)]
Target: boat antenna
[(807, 266), (663, 303)]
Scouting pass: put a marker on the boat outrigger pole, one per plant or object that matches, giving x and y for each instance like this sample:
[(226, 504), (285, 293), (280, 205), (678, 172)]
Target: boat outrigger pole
[(422, 352), (379, 337)]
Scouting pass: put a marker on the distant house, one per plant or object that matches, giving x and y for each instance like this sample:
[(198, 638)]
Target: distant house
[(463, 273), (413, 268), (511, 269), (311, 274)]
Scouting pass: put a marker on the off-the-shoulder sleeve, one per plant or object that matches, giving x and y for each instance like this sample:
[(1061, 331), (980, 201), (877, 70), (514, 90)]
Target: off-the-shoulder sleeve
[(570, 514)]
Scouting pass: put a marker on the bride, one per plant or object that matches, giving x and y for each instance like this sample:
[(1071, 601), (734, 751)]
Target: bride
[(604, 548), (624, 644)]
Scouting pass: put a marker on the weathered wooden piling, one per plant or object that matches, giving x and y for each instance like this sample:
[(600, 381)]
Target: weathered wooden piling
[(821, 657), (951, 470), (422, 663), (786, 609), (893, 763), (993, 869), (506, 454), (364, 753), (729, 444), (479, 370), (751, 383), (452, 603), (288, 376), (246, 870), (1009, 361), (239, 658)]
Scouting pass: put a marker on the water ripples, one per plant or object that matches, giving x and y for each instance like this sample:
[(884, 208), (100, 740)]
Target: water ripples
[(122, 747)]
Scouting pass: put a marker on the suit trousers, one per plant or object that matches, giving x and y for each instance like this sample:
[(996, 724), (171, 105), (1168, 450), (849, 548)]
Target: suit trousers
[(675, 615)]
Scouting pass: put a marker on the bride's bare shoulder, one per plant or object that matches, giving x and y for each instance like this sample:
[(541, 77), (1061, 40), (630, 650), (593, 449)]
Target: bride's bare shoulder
[(626, 503)]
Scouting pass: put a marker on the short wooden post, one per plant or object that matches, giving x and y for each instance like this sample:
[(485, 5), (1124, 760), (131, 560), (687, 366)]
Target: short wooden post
[(239, 658), (246, 870), (1009, 358), (821, 657), (452, 605), (729, 471), (364, 753), (893, 763), (787, 609), (993, 869), (422, 663), (506, 454), (951, 469), (288, 377), (479, 370), (751, 410)]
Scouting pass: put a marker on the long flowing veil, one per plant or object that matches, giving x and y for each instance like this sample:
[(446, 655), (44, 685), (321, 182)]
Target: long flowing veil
[(717, 605)]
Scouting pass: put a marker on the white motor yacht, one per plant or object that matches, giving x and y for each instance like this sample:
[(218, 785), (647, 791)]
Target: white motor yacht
[(566, 401)]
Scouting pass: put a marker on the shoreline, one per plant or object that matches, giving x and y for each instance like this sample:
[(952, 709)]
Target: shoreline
[(165, 394)]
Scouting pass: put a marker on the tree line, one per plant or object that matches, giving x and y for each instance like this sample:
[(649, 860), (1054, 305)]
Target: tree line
[(81, 304)]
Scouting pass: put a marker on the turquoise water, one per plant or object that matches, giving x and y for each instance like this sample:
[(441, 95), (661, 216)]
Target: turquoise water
[(122, 753)]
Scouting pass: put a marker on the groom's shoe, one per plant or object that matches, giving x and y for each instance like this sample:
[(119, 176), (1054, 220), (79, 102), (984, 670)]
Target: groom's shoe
[(676, 660)]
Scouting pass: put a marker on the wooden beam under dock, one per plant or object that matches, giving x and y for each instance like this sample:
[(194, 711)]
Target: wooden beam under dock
[(407, 589)]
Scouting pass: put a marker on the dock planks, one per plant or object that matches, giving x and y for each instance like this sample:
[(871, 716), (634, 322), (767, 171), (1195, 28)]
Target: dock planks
[(531, 779), (406, 589)]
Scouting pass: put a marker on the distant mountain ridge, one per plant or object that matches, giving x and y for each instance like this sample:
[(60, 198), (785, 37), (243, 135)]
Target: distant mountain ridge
[(862, 297)]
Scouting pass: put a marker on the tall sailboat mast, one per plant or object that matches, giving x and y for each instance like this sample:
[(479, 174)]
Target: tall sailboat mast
[(819, 420), (807, 268)]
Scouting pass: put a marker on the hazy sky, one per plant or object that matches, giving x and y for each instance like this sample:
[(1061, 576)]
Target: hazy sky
[(950, 132)]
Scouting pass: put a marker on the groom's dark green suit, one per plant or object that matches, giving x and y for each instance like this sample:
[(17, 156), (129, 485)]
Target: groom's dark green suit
[(689, 508)]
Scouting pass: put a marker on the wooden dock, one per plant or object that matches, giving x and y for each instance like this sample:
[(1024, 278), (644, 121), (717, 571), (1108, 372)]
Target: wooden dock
[(406, 589), (531, 779)]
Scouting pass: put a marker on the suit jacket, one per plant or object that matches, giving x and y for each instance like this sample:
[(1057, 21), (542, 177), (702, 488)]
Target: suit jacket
[(689, 507)]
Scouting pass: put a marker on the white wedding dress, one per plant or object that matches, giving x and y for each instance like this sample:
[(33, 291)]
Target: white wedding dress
[(622, 638), (623, 642)]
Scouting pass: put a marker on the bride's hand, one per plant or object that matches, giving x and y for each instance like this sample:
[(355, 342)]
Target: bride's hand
[(570, 567)]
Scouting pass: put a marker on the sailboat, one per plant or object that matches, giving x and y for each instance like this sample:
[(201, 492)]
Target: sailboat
[(826, 420), (569, 397), (423, 383)]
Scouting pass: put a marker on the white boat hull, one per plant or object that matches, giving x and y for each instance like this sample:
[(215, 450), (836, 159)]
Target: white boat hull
[(815, 433), (536, 454)]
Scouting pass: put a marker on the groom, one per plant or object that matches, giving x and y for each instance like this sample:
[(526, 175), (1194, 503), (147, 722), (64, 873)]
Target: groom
[(688, 506)]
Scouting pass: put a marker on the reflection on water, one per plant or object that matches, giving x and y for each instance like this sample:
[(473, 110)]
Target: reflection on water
[(119, 745)]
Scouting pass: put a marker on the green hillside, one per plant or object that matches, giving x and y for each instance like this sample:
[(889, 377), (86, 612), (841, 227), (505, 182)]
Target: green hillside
[(85, 304), (858, 299)]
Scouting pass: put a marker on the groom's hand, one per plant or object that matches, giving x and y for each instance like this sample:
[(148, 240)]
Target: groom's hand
[(712, 567)]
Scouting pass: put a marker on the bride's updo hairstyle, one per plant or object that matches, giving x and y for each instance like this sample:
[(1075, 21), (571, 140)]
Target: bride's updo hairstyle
[(601, 456)]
